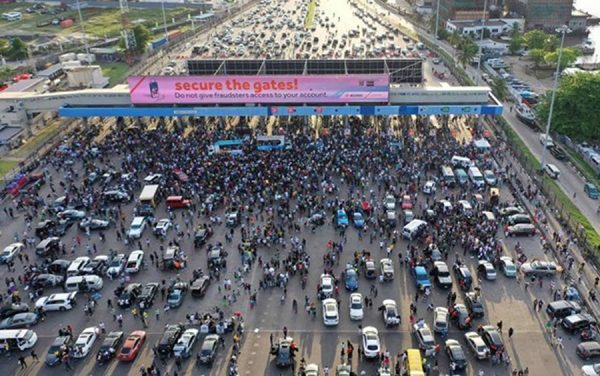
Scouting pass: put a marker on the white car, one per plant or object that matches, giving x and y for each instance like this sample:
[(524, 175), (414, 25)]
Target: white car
[(424, 338), (486, 269), (327, 285), (10, 252), (429, 187), (152, 177), (387, 269), (331, 316), (508, 267), (591, 370), (370, 342), (57, 302), (390, 312), (116, 265), (476, 344), (490, 177), (162, 227), (389, 202), (311, 369), (440, 320), (356, 306), (138, 225), (185, 343), (134, 261), (85, 342)]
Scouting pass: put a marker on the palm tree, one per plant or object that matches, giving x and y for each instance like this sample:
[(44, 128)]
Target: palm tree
[(455, 38), (499, 88), (467, 50)]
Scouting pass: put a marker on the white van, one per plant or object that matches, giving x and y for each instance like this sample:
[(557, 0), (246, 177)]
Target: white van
[(458, 161), (413, 229), (552, 170), (18, 339), (92, 283), (77, 265), (134, 262), (476, 177)]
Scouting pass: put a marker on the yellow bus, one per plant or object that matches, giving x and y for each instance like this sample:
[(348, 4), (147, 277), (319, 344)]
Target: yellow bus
[(413, 364)]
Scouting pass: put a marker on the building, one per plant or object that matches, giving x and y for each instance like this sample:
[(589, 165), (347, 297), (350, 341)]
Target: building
[(543, 14), (461, 9), (35, 85), (495, 27), (578, 21), (86, 76)]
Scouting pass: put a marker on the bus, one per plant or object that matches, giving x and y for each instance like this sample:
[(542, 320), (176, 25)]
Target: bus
[(148, 195), (233, 147), (18, 339), (413, 364), (267, 143)]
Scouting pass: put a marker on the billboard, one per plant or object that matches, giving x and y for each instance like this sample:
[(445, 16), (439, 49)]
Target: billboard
[(351, 88)]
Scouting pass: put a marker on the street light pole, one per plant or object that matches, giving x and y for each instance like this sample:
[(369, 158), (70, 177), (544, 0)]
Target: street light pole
[(563, 30), (437, 18), (85, 42), (481, 42), (162, 5)]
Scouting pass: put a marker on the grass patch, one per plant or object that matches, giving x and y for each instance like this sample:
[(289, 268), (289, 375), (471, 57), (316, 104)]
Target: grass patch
[(583, 166), (115, 72), (6, 167), (35, 142), (310, 14)]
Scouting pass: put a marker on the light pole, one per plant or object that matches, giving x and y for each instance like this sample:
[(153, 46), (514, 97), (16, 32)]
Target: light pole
[(563, 30), (85, 42), (479, 51), (437, 18), (162, 5)]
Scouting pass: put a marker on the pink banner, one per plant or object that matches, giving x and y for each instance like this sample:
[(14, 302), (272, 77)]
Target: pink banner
[(351, 88)]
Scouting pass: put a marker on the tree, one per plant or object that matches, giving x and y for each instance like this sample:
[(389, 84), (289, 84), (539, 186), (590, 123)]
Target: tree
[(15, 49), (569, 56), (551, 43), (141, 35), (499, 88), (515, 30), (467, 50), (516, 43), (575, 108), (535, 39), (454, 38), (537, 56)]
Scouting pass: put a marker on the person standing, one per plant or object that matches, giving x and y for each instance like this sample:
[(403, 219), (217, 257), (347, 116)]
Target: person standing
[(22, 362), (510, 332), (34, 356)]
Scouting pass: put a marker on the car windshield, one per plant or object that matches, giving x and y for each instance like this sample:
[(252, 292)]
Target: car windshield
[(116, 262), (356, 305), (372, 347), (53, 349)]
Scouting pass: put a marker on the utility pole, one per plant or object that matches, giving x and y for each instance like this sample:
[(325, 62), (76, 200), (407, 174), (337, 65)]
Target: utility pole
[(85, 41), (437, 19)]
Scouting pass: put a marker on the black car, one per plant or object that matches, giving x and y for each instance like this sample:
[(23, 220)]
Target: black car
[(58, 267), (55, 353), (199, 286), (109, 347), (12, 309), (44, 228), (474, 305), (148, 294), (169, 338), (97, 266), (456, 354), (209, 349), (558, 153), (577, 322), (463, 276), (41, 281), (492, 338), (62, 227), (129, 295)]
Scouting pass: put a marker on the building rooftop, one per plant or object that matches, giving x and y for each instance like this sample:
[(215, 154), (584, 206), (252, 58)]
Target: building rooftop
[(50, 71), (24, 85), (8, 133), (477, 23)]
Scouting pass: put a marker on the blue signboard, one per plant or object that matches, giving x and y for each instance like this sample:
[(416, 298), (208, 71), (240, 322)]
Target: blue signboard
[(450, 110)]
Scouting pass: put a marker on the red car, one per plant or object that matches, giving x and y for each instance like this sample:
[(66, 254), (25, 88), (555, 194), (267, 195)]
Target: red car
[(180, 175), (366, 207), (132, 346), (177, 202), (406, 202)]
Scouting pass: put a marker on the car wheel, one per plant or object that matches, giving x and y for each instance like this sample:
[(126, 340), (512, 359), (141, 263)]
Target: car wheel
[(62, 309)]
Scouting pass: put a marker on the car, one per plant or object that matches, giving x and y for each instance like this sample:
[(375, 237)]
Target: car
[(486, 270), (591, 370), (94, 224), (209, 348), (456, 355), (440, 320), (58, 267), (148, 294), (12, 309), (326, 286), (116, 196), (391, 317), (510, 210), (552, 171), (132, 345), (558, 153), (589, 349), (474, 304), (60, 345), (406, 202), (424, 338), (331, 316), (442, 274), (538, 267), (460, 316), (85, 341), (341, 219), (152, 178), (562, 308), (490, 178), (97, 266), (176, 294), (492, 339), (129, 295), (20, 320), (109, 347), (116, 265), (591, 190), (387, 269), (519, 218), (57, 302), (162, 227), (232, 218), (44, 229), (10, 252), (390, 218), (180, 175), (311, 369), (358, 220), (477, 346), (429, 188), (521, 229), (134, 262), (389, 202), (185, 343), (284, 352), (370, 342), (167, 342), (199, 286), (370, 270), (137, 227), (508, 267), (577, 322), (421, 277), (356, 306), (71, 214), (350, 278)]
